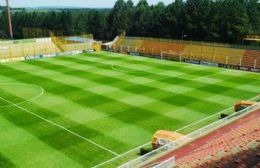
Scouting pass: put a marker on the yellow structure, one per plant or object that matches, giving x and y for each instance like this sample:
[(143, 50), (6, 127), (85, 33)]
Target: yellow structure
[(97, 46), (10, 49), (243, 104), (200, 51), (163, 137)]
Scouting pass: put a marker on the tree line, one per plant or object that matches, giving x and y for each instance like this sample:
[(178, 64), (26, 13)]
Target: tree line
[(202, 20)]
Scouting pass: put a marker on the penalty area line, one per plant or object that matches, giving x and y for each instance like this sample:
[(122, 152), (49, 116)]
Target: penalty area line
[(61, 127)]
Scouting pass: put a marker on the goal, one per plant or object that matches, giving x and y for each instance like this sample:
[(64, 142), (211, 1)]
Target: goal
[(175, 56)]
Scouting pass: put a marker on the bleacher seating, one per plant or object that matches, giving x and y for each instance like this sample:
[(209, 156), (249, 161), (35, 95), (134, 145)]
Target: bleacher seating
[(240, 140), (210, 52), (250, 58), (156, 47), (19, 48), (129, 45), (150, 46), (234, 144)]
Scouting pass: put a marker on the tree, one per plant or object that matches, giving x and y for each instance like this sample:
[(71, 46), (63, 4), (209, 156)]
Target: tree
[(196, 18), (253, 11), (142, 18), (97, 24), (174, 19), (3, 25), (118, 18), (157, 23), (130, 12), (207, 20), (233, 22)]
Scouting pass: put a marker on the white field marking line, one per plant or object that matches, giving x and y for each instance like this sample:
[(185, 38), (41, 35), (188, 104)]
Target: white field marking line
[(29, 100), (61, 127), (110, 160), (201, 77), (208, 117), (113, 67), (114, 158)]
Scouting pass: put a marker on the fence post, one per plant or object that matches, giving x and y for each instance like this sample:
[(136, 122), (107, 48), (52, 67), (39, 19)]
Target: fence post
[(45, 44), (226, 60), (10, 53), (202, 49), (227, 50), (190, 49), (34, 49), (22, 50), (255, 64), (214, 56)]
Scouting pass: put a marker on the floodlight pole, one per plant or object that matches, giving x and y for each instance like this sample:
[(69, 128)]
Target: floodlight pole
[(9, 19)]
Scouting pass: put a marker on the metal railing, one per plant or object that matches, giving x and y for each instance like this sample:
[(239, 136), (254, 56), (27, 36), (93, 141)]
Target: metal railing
[(169, 163), (152, 156)]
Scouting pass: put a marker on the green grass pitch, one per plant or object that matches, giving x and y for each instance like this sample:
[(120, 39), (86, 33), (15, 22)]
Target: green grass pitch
[(79, 111)]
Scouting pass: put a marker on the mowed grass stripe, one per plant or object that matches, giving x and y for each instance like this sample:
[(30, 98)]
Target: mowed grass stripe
[(103, 110), (205, 103), (5, 162), (122, 122), (131, 67), (137, 110), (86, 100), (59, 126), (176, 96), (225, 88), (47, 133)]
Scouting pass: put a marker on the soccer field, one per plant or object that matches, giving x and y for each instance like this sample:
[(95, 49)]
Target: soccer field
[(80, 111)]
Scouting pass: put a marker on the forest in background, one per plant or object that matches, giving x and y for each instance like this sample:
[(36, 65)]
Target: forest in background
[(224, 21)]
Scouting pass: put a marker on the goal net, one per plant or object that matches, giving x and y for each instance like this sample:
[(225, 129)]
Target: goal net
[(175, 56)]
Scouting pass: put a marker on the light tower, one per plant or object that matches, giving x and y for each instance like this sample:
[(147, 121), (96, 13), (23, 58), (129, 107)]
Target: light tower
[(9, 19)]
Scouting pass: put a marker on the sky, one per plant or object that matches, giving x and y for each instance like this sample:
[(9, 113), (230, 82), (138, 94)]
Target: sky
[(75, 3)]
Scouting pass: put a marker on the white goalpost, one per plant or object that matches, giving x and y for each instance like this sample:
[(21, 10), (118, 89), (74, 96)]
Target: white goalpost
[(176, 56)]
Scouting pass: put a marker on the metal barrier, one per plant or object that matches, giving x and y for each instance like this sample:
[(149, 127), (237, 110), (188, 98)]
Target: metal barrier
[(169, 163), (149, 157)]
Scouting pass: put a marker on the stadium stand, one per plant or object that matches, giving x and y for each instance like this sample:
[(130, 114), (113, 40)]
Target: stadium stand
[(130, 45), (234, 145), (189, 50), (251, 58), (11, 50), (156, 47), (73, 43), (29, 47)]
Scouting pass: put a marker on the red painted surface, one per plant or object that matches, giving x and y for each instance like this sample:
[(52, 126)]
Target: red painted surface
[(185, 150)]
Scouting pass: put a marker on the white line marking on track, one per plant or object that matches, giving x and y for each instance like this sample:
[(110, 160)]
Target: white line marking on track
[(61, 127), (114, 158)]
